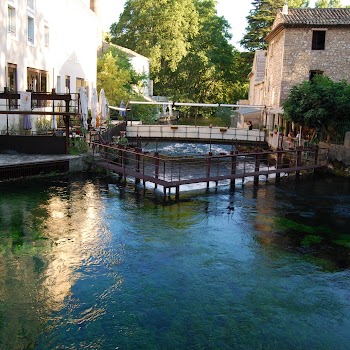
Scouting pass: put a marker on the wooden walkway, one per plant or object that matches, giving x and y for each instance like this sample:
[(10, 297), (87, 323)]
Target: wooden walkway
[(172, 172)]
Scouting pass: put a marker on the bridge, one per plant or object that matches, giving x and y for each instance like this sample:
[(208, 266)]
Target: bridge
[(207, 134), (172, 172)]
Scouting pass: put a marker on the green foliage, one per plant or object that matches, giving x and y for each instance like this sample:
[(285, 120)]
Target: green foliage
[(159, 30), (145, 113), (209, 71), (189, 50), (113, 78), (310, 240), (42, 124), (321, 104), (260, 20), (117, 77), (328, 3), (77, 146), (13, 128), (123, 141)]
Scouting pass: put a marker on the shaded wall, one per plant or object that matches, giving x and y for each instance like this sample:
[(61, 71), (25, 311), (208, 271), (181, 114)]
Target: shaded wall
[(33, 144)]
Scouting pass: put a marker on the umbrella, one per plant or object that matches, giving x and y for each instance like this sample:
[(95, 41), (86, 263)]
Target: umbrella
[(27, 123), (53, 122), (103, 105), (94, 108), (83, 107), (123, 111)]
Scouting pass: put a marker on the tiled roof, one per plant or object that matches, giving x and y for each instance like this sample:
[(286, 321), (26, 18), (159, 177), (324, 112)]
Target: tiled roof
[(313, 16)]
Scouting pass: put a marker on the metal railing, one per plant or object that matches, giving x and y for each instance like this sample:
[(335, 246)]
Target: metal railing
[(195, 132), (175, 171)]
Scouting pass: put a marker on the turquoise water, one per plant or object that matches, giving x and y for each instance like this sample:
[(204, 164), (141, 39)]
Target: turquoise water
[(86, 264)]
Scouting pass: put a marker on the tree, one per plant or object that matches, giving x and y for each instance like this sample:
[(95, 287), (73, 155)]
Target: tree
[(207, 72), (260, 20), (328, 4), (159, 30), (116, 76), (188, 46), (321, 104)]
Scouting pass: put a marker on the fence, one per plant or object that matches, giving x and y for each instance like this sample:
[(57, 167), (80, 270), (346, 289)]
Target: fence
[(195, 132), (176, 171)]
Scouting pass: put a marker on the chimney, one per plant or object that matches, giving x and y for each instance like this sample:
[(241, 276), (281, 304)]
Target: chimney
[(285, 9), (95, 6)]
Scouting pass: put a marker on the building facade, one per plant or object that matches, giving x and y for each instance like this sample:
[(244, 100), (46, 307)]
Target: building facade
[(302, 43), (253, 114), (48, 44)]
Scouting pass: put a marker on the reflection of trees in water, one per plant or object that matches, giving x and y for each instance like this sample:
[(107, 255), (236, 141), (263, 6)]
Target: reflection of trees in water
[(43, 241)]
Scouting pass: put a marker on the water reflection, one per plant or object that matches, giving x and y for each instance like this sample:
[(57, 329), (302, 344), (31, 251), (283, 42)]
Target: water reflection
[(86, 265), (47, 235)]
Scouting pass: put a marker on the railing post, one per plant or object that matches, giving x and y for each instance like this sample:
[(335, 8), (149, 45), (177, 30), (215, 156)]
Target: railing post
[(278, 164), (177, 192), (208, 167), (298, 160), (256, 170), (124, 163), (143, 172), (120, 157), (156, 167), (233, 169), (316, 155), (137, 155)]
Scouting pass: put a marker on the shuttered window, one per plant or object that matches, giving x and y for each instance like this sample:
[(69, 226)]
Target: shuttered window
[(30, 29), (318, 39), (11, 20)]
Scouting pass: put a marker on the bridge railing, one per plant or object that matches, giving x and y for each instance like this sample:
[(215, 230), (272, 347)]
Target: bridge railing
[(174, 171), (194, 132)]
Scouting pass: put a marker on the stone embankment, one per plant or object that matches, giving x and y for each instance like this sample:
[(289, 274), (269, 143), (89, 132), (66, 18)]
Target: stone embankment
[(339, 156)]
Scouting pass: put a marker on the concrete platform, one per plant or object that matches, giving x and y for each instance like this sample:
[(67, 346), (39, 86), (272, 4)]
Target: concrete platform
[(18, 159)]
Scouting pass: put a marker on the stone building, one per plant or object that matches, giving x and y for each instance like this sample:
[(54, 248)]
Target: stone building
[(255, 95), (302, 43)]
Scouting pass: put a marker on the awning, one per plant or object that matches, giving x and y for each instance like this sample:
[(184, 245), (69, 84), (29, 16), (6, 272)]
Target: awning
[(247, 110)]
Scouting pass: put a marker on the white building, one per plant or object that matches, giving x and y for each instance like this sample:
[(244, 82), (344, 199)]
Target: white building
[(48, 44), (140, 65)]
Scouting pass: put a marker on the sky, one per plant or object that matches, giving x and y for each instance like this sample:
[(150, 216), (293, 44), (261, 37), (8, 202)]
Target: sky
[(234, 11)]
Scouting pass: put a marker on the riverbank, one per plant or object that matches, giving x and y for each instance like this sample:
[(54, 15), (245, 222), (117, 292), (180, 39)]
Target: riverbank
[(339, 158)]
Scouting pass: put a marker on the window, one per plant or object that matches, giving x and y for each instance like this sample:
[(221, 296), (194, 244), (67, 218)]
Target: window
[(58, 84), (46, 36), (313, 73), (67, 90), (318, 39), (12, 76), (30, 29), (37, 80), (80, 83), (12, 83), (11, 20)]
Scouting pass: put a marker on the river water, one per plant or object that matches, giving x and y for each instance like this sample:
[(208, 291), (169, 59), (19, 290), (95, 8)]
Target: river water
[(87, 264)]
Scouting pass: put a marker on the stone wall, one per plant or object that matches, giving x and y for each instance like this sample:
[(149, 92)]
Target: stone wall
[(339, 156), (290, 59), (274, 69)]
